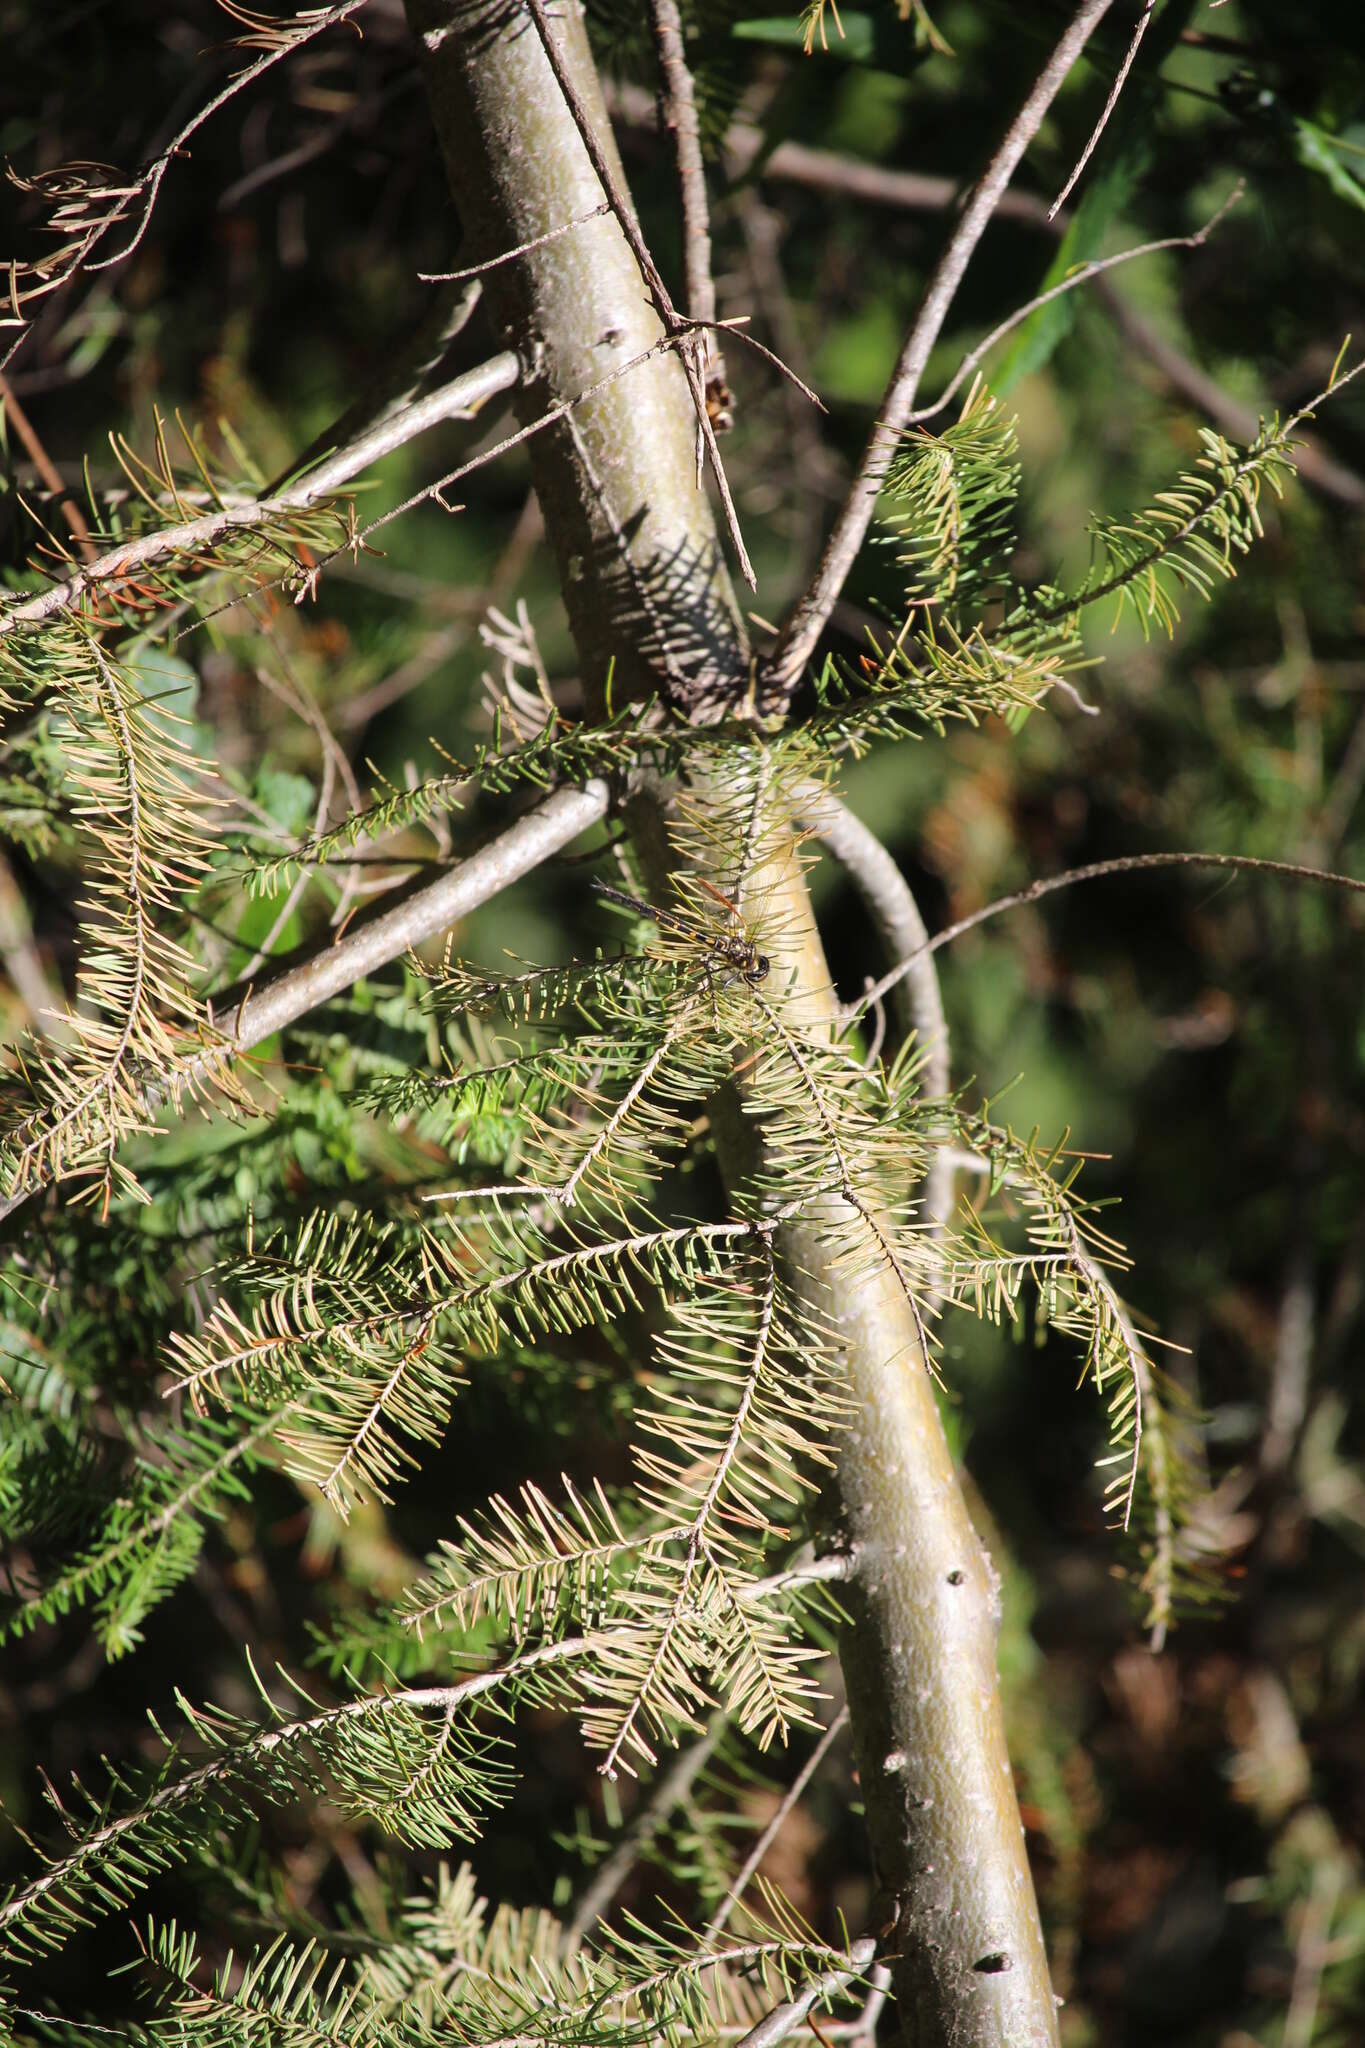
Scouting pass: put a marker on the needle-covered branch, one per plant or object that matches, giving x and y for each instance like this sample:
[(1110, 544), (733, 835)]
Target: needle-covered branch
[(920, 1659)]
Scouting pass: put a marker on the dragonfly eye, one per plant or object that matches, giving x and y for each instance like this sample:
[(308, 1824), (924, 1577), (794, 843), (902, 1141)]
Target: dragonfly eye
[(759, 971)]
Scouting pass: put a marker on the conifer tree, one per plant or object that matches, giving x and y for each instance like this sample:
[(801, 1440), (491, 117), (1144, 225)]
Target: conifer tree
[(675, 1179)]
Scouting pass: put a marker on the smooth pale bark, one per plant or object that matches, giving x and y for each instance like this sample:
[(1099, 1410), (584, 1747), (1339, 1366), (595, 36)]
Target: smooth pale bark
[(639, 560), (646, 591), (968, 1961)]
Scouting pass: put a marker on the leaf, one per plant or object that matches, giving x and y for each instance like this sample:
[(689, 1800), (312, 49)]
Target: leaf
[(1315, 152), (289, 798)]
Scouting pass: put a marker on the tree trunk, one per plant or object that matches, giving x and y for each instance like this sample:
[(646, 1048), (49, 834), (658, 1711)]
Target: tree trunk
[(649, 599), (642, 574)]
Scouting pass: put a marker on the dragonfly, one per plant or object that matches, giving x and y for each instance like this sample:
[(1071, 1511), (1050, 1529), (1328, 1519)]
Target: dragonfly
[(728, 949)]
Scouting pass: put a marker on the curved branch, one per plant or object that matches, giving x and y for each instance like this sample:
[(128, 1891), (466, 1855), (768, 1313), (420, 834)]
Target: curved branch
[(1127, 864), (67, 185), (905, 937), (901, 929)]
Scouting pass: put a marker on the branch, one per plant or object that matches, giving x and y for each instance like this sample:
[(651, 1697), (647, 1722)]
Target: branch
[(825, 170), (68, 186), (790, 1799), (1084, 273), (182, 1791), (904, 936), (900, 927), (1131, 863), (368, 947), (678, 113), (784, 2019), (1139, 32), (807, 622), (919, 1648), (435, 492), (459, 399)]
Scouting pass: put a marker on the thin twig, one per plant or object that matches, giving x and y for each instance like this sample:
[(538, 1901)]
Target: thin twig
[(807, 622), (1132, 863), (678, 114), (673, 323), (864, 2028), (670, 1792), (791, 1798), (566, 227), (1083, 274), (147, 184), (47, 470), (335, 764), (1138, 33)]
